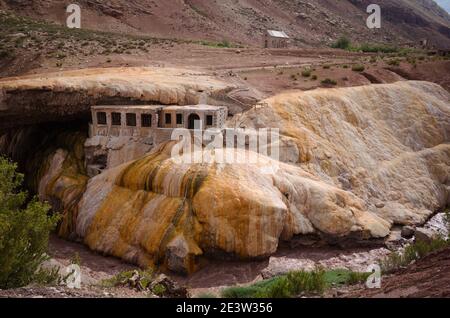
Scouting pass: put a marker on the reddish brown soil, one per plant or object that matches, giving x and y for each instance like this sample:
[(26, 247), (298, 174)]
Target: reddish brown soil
[(429, 277), (308, 22)]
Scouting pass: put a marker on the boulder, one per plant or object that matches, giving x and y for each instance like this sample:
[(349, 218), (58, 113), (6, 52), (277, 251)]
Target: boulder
[(408, 232), (425, 235)]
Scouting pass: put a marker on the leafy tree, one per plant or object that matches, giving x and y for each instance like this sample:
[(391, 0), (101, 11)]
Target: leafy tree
[(24, 229)]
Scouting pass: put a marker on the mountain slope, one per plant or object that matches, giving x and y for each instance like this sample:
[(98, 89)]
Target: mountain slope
[(310, 22)]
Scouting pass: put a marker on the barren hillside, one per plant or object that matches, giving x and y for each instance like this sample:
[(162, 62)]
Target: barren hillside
[(309, 22)]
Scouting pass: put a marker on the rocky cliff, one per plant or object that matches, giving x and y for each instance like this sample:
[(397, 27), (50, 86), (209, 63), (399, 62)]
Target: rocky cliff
[(388, 144)]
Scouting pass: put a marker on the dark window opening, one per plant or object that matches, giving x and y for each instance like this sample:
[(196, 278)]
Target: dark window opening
[(131, 120), (116, 119), (168, 119), (146, 120), (192, 121), (179, 119), (101, 118), (209, 120)]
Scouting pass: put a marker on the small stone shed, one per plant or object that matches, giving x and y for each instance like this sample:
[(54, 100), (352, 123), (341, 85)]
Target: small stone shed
[(276, 39)]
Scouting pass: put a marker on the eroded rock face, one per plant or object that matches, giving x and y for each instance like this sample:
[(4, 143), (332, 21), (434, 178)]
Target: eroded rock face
[(67, 95), (155, 210), (356, 162), (387, 144)]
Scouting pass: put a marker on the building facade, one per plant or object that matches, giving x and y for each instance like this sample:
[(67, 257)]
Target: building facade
[(276, 39), (148, 120)]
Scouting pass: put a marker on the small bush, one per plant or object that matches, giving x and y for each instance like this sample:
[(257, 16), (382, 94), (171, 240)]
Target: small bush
[(314, 77), (76, 259), (329, 82), (24, 230), (306, 73), (159, 290), (358, 68), (412, 253), (326, 67), (394, 62), (343, 43), (48, 277), (123, 278)]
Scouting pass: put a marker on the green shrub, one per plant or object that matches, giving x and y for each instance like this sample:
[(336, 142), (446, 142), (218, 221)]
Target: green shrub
[(306, 73), (376, 48), (412, 253), (224, 44), (24, 230), (310, 282), (159, 290), (329, 82), (76, 259), (122, 278), (358, 68), (48, 277), (394, 62), (343, 43)]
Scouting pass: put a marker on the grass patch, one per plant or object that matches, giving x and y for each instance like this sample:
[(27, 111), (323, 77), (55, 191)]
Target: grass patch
[(297, 283), (394, 62), (123, 278), (222, 44), (206, 295)]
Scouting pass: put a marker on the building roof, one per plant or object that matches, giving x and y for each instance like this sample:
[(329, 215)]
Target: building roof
[(277, 34), (194, 107), (131, 107), (156, 107)]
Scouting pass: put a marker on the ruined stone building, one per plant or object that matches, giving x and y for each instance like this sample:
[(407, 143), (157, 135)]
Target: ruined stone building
[(154, 120)]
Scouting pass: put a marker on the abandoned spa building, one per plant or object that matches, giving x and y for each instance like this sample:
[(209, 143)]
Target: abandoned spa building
[(155, 121)]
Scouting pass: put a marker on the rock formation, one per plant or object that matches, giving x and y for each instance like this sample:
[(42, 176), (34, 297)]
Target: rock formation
[(356, 161), (387, 144), (69, 95), (156, 210)]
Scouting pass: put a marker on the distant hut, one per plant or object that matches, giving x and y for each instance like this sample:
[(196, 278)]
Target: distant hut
[(276, 39)]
